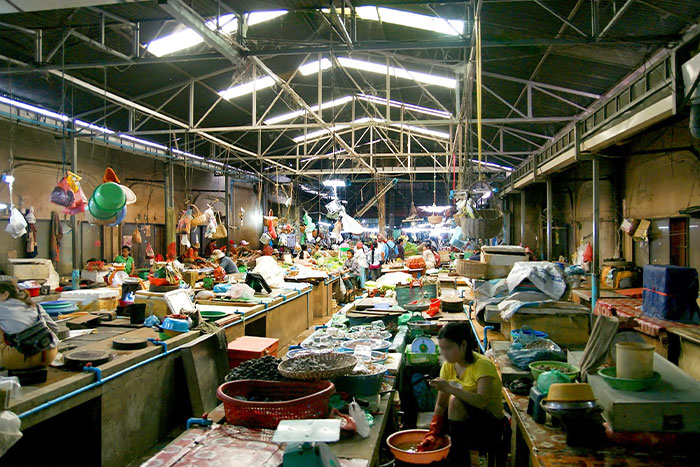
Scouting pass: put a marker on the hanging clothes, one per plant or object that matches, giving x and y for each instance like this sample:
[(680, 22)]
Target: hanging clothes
[(56, 236)]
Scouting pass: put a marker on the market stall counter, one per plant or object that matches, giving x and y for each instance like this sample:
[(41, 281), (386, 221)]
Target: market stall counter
[(544, 444)]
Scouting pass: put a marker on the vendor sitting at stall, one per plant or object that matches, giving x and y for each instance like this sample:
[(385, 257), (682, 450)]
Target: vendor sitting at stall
[(126, 258), (469, 396), (17, 314), (428, 256), (224, 262), (351, 271)]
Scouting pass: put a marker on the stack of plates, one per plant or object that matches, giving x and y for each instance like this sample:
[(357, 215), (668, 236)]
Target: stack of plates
[(58, 307)]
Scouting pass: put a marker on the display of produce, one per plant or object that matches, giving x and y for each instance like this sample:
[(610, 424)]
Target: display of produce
[(264, 368)]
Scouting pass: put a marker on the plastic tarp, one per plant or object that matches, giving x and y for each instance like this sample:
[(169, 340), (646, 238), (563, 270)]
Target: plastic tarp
[(394, 279), (490, 292), (546, 277)]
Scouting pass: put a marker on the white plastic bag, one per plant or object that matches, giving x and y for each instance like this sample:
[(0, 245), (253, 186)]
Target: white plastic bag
[(343, 289), (358, 415), (267, 267), (351, 225), (185, 241), (211, 228), (242, 291), (9, 430), (17, 225)]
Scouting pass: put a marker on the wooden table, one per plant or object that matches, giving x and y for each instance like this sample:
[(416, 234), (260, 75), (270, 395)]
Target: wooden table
[(584, 296), (545, 445)]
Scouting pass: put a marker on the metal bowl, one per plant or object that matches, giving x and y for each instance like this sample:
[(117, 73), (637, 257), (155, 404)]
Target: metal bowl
[(429, 327)]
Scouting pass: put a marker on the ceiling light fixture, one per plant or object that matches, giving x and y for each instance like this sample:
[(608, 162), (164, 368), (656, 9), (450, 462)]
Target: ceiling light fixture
[(187, 154), (334, 183), (452, 27), (247, 88), (35, 109), (90, 126), (405, 105), (186, 38), (143, 141), (316, 134), (424, 131), (314, 108), (378, 68), (313, 67), (494, 166)]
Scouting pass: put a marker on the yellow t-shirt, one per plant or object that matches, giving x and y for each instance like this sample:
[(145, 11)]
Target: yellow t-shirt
[(481, 367)]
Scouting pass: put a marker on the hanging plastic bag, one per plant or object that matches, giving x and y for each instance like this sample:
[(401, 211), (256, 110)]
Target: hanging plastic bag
[(184, 223), (79, 203), (336, 235), (265, 238), (342, 288), (9, 430), (195, 239), (185, 241), (149, 251), (136, 236), (211, 229), (62, 194), (17, 225), (351, 225)]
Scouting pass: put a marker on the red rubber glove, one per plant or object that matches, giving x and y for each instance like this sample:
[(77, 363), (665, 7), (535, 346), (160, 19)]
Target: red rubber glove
[(434, 439)]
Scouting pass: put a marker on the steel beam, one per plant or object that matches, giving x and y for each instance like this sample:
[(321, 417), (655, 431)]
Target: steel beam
[(190, 18), (625, 6), (595, 264), (560, 18), (577, 92)]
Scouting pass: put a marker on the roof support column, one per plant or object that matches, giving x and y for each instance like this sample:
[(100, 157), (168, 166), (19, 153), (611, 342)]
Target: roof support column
[(596, 233), (549, 219), (169, 197), (75, 223)]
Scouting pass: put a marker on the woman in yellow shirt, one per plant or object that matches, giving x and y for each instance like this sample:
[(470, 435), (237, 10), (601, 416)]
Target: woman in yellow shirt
[(469, 396)]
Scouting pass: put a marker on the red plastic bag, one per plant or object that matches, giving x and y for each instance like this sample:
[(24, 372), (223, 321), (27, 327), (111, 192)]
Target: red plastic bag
[(79, 203), (62, 194), (588, 254)]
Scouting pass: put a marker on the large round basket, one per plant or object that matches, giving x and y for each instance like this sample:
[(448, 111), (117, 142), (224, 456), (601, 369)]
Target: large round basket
[(472, 269), (487, 225), (333, 364)]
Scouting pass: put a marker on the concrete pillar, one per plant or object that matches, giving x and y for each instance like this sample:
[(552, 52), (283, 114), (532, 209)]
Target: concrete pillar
[(522, 217), (596, 233), (169, 196), (75, 223), (549, 219), (381, 214)]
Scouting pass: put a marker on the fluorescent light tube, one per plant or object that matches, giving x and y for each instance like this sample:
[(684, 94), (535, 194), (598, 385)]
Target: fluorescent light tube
[(93, 127), (316, 134), (313, 67), (424, 131), (187, 154), (143, 141), (314, 108), (334, 183), (494, 166), (397, 72), (405, 105), (32, 108), (247, 88)]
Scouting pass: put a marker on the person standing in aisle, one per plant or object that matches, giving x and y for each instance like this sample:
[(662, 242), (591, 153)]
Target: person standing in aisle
[(362, 261), (126, 258), (399, 248), (375, 265)]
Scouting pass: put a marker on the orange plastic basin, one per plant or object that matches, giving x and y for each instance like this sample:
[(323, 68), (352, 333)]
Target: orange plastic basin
[(414, 437)]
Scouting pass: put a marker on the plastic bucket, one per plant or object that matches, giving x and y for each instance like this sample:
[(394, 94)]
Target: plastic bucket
[(109, 197), (635, 360), (99, 213)]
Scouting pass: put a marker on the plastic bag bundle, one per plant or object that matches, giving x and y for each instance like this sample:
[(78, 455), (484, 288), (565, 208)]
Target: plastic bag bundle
[(17, 225)]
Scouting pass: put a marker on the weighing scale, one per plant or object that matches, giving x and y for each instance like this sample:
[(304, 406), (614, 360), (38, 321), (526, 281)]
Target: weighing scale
[(306, 442), (423, 344)]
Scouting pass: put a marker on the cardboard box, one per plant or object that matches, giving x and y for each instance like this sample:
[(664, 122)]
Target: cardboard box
[(249, 347)]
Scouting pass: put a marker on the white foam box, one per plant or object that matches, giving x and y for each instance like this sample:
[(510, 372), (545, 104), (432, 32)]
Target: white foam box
[(670, 405), (503, 255)]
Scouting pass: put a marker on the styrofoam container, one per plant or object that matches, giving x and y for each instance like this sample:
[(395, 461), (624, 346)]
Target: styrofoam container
[(94, 294), (503, 255)]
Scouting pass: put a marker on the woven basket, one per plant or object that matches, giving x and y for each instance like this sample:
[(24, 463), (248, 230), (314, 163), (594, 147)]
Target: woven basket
[(472, 269), (342, 364), (434, 219), (198, 217), (487, 225)]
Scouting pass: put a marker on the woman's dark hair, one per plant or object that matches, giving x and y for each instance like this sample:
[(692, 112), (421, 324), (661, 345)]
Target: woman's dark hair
[(14, 292), (458, 333), (128, 248)]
